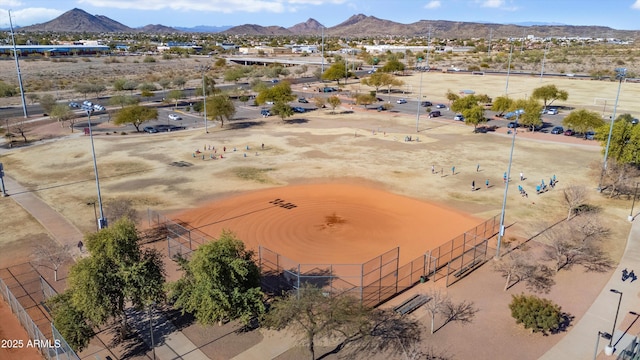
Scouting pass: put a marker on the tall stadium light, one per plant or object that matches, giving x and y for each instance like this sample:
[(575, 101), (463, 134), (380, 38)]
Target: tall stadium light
[(601, 334), (102, 221), (506, 87), (609, 349), (621, 73), (15, 56), (544, 58), (204, 69), (419, 98), (506, 186)]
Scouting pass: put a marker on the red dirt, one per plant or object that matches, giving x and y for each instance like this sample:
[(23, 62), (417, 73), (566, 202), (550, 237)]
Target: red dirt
[(12, 330), (331, 223)]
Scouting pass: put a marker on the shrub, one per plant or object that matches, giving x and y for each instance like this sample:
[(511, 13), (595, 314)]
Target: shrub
[(537, 314), (149, 59)]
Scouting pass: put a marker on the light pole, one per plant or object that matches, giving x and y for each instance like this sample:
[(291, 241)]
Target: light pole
[(506, 187), (506, 87), (102, 221), (635, 195), (204, 69), (544, 57), (605, 335), (95, 213), (620, 74), (610, 349), (15, 55), (153, 346), (419, 98)]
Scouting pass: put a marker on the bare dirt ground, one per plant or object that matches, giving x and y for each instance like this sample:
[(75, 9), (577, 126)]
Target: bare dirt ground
[(159, 171)]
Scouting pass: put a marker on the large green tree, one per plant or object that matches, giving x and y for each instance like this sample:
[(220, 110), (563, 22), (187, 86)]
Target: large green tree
[(280, 92), (221, 108), (501, 104), (135, 115), (470, 108), (336, 72), (220, 282), (47, 102), (393, 66), (378, 80), (531, 115), (583, 120), (118, 273), (548, 94), (624, 147), (71, 323)]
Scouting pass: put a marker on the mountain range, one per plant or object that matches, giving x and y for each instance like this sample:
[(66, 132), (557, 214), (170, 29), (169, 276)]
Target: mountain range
[(77, 20)]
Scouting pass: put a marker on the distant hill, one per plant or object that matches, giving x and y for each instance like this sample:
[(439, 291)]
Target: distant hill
[(311, 26), (360, 25)]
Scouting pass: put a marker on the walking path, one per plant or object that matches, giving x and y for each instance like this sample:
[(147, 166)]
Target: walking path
[(580, 342), (170, 343)]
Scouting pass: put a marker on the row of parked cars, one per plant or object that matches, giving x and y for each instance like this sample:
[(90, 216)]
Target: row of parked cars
[(86, 106), (162, 128)]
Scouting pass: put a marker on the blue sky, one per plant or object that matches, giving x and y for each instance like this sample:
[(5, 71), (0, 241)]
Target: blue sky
[(617, 14)]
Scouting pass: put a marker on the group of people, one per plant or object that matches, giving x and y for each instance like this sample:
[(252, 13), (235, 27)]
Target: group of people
[(213, 155), (522, 191), (543, 187), (629, 275)]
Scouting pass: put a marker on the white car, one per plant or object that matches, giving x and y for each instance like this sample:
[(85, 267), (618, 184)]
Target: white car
[(98, 107), (458, 117), (401, 101), (174, 117), (552, 111)]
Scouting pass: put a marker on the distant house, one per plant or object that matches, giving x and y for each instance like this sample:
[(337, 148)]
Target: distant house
[(55, 50), (179, 45)]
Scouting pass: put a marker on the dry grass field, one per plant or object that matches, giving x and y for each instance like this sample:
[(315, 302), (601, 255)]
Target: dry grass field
[(363, 148)]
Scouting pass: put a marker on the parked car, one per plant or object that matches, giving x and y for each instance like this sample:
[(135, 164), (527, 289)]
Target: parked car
[(265, 112), (298, 109), (458, 117), (176, 128), (150, 129), (569, 132), (557, 130), (87, 103), (381, 108), (328, 89), (163, 127), (589, 135), (441, 106), (275, 81), (98, 107), (401, 101), (513, 125), (435, 114), (634, 121), (74, 105), (426, 103), (552, 111), (175, 117), (303, 100)]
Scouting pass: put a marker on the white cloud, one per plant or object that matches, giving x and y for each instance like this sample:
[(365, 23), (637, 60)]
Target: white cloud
[(10, 3), (434, 4), (492, 3), (28, 16), (636, 5), (223, 6)]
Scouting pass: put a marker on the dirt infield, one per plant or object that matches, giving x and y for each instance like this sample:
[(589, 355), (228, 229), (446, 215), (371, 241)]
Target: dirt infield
[(331, 223)]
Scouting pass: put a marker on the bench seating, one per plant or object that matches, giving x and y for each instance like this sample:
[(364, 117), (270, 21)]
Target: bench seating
[(411, 304)]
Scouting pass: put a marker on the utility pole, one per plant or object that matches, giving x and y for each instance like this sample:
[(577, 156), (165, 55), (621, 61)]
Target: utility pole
[(15, 56)]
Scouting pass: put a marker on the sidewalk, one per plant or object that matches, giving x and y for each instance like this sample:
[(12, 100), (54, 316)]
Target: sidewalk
[(580, 343), (170, 343)]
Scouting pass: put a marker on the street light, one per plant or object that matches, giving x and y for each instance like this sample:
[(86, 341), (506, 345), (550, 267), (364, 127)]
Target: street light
[(419, 99), (95, 213), (506, 87), (153, 346), (102, 221), (506, 186), (609, 349), (635, 195), (621, 73), (605, 335), (204, 69)]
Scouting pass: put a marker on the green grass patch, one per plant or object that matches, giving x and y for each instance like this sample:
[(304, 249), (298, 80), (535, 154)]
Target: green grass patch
[(253, 174)]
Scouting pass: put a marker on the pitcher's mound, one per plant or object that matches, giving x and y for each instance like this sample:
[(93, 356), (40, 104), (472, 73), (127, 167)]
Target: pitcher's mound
[(331, 223)]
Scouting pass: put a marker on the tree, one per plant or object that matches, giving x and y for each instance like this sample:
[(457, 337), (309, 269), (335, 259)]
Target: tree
[(135, 115), (319, 102), (583, 120), (378, 80), (116, 274), (393, 66), (164, 84), (175, 95), (548, 94), (519, 266), (52, 257), (221, 108), (62, 114), (220, 282), (281, 92), (334, 102), (435, 305), (122, 100), (537, 314), (574, 196), (501, 104), (577, 242), (365, 99), (441, 304), (71, 323), (282, 109), (313, 315), (130, 85), (531, 115), (624, 146), (47, 102), (179, 82), (468, 106), (336, 72), (451, 96)]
